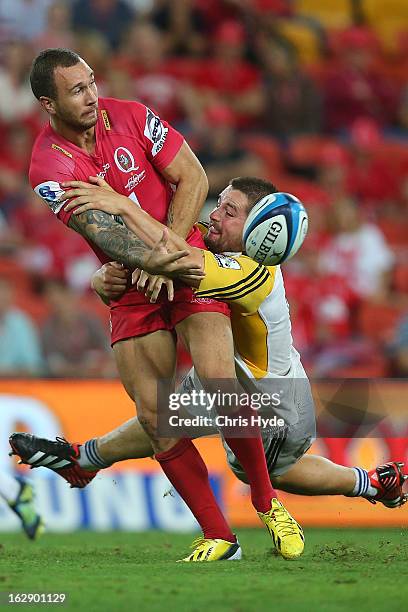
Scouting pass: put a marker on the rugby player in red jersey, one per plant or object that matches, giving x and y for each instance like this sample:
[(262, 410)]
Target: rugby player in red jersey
[(142, 157)]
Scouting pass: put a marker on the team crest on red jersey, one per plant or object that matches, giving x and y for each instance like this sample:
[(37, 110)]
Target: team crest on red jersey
[(125, 160)]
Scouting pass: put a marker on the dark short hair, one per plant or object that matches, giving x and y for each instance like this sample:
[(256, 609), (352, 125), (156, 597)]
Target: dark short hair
[(254, 188), (42, 78)]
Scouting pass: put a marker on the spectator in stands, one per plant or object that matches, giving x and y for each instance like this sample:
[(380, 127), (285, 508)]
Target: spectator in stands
[(291, 103), (216, 12), (118, 84), (109, 17), (323, 300), (48, 248), (10, 239), (371, 177), (94, 48), (20, 349), (23, 19), (354, 88), (75, 343), (158, 80), (325, 306), (15, 151), (227, 77), (332, 171), (57, 31), (220, 152), (181, 26), (16, 99), (357, 251)]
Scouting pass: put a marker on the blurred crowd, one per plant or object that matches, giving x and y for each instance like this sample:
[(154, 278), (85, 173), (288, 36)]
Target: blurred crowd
[(310, 94)]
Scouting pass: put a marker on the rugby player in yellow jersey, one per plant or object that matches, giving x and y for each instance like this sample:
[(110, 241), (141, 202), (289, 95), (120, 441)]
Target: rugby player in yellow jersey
[(264, 353)]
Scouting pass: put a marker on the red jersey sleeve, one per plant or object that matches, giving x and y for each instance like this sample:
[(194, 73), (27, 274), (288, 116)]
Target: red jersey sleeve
[(47, 172), (161, 141)]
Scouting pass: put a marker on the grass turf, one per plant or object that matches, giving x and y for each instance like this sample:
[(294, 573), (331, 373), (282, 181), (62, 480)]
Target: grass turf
[(356, 569)]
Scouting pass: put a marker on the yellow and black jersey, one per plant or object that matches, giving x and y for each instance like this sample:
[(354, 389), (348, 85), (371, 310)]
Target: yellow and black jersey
[(259, 311), (238, 280)]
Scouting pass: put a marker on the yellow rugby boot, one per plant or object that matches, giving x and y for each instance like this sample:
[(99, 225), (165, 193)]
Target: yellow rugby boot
[(206, 549), (23, 506), (286, 533)]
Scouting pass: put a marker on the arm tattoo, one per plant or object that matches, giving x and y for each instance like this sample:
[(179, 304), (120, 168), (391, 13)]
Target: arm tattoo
[(112, 237), (170, 215)]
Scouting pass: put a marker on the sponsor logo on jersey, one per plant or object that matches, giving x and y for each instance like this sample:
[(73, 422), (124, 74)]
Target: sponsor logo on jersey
[(134, 180), (51, 192), (104, 170), (155, 131), (201, 300), (61, 150), (125, 160), (226, 262), (187, 384), (105, 119)]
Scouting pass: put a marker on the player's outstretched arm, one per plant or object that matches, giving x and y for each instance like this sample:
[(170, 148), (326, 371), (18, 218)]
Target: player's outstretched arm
[(123, 246)]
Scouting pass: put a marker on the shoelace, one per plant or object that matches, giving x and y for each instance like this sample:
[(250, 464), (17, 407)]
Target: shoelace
[(285, 526)]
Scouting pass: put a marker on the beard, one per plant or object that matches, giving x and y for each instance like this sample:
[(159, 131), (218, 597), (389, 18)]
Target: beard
[(79, 124), (211, 244), (90, 123)]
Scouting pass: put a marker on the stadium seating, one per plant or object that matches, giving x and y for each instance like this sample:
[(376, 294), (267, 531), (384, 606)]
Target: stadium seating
[(329, 14), (374, 367), (377, 320), (14, 273), (310, 149), (376, 11), (303, 37), (388, 18), (267, 149), (33, 305), (94, 306)]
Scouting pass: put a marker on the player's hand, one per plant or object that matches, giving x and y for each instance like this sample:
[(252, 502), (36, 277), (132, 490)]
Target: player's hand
[(151, 285), (160, 262), (111, 281), (154, 282), (93, 181), (96, 194)]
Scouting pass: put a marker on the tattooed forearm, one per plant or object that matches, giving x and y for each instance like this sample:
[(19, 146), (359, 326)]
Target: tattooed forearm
[(113, 238), (170, 215)]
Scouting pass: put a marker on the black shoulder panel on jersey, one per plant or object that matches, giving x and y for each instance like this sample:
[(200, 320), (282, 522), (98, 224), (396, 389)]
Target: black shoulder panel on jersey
[(237, 290)]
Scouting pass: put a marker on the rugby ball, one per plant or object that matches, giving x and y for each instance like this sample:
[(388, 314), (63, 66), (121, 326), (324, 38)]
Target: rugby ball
[(275, 229)]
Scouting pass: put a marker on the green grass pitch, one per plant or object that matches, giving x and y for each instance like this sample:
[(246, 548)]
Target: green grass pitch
[(341, 569)]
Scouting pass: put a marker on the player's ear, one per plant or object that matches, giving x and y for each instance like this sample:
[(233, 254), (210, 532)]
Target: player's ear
[(48, 105)]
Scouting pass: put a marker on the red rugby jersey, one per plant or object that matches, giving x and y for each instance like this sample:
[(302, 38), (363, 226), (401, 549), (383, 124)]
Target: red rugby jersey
[(132, 146)]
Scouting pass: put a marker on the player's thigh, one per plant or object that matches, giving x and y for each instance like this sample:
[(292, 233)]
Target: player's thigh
[(143, 361), (282, 455), (208, 338)]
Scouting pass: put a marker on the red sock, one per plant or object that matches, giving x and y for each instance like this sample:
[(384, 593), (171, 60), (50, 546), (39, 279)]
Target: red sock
[(188, 474), (251, 455)]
